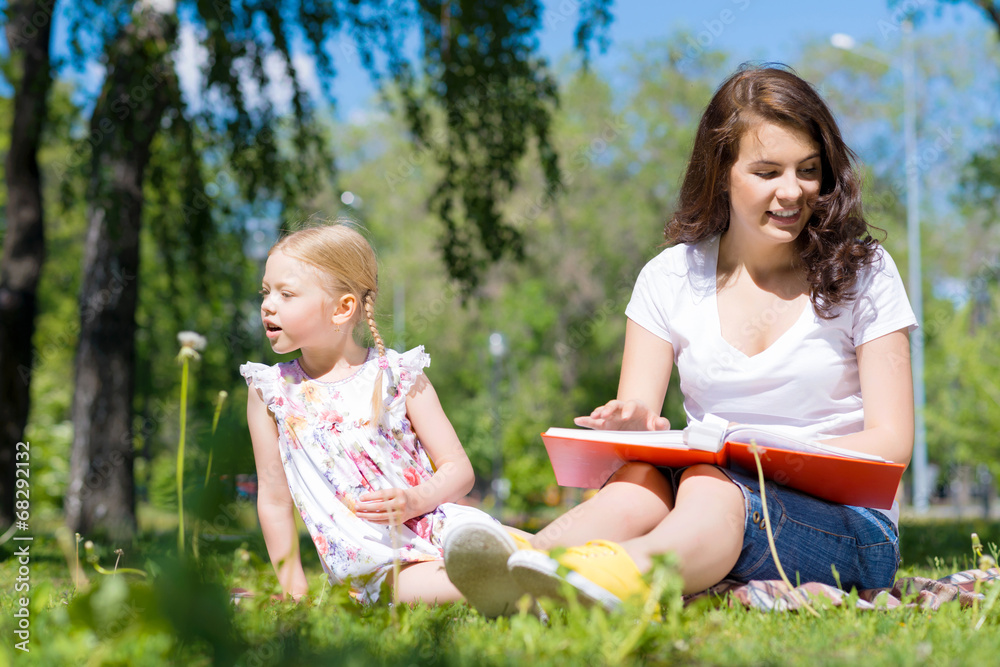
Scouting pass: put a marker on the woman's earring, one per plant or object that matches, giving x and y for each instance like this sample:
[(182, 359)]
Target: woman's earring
[(337, 330)]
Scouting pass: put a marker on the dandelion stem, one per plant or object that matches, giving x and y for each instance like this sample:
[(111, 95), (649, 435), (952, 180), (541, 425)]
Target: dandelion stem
[(76, 574), (117, 570), (180, 459), (394, 534), (770, 534)]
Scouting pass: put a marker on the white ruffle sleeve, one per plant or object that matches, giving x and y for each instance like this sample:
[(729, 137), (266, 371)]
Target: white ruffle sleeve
[(407, 367), (267, 380)]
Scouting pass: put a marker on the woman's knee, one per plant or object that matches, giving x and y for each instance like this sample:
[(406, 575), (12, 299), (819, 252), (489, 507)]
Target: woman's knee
[(645, 476), (709, 483), (704, 471), (643, 491), (635, 471)]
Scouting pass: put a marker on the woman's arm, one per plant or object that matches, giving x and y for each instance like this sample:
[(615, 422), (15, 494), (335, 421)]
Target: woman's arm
[(452, 479), (887, 395), (274, 502), (646, 366)]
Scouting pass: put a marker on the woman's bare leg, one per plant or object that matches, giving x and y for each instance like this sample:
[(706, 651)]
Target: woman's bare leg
[(635, 501), (704, 529)]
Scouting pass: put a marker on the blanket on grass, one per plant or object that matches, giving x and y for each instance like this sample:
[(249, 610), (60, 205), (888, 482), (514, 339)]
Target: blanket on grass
[(774, 595)]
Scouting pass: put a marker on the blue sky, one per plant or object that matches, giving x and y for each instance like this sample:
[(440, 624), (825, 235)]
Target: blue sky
[(746, 29), (772, 30)]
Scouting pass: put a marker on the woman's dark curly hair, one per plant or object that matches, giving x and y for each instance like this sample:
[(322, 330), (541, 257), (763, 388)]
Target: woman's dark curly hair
[(836, 242)]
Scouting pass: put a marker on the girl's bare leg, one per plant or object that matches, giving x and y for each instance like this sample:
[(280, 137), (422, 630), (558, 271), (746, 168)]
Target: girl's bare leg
[(635, 501), (704, 529), (426, 582)]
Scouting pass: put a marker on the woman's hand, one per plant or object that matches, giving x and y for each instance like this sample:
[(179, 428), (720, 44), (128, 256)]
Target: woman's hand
[(388, 506), (624, 416)]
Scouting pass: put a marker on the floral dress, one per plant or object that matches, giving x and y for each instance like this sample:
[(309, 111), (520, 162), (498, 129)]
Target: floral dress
[(332, 453)]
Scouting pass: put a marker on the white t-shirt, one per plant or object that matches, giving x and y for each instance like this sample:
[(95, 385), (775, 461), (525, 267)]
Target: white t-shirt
[(805, 384)]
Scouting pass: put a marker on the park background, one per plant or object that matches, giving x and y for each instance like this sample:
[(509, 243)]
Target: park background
[(512, 200)]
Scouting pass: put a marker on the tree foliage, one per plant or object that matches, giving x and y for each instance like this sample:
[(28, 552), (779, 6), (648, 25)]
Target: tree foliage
[(478, 71), (136, 43), (495, 95)]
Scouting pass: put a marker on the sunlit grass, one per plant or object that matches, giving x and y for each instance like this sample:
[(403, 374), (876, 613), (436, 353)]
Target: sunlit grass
[(183, 615)]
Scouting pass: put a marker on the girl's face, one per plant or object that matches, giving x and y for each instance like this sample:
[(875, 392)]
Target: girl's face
[(775, 178), (296, 311)]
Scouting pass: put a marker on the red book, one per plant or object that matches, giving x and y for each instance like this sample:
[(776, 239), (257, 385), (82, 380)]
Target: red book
[(586, 458)]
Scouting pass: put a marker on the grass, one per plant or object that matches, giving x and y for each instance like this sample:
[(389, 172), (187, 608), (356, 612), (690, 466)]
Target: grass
[(181, 615)]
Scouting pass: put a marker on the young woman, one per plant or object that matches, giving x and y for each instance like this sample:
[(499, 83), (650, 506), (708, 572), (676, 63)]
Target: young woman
[(780, 310)]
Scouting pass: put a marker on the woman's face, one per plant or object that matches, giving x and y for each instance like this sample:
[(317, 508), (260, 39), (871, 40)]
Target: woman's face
[(775, 178)]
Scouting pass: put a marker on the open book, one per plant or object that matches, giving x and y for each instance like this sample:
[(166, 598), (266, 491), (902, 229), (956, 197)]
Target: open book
[(586, 458)]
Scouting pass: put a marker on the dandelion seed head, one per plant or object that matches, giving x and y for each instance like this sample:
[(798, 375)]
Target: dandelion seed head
[(192, 339)]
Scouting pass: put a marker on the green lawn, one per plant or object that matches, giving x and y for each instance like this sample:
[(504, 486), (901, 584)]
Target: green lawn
[(183, 616)]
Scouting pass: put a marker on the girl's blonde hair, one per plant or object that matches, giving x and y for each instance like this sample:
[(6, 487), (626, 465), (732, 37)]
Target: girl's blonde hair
[(346, 264)]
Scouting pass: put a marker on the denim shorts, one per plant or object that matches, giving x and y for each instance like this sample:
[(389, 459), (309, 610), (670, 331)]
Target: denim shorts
[(812, 537)]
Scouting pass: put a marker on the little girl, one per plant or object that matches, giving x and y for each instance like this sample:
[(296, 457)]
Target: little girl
[(354, 437)]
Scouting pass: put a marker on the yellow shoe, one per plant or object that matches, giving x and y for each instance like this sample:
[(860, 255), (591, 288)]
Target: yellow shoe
[(600, 571)]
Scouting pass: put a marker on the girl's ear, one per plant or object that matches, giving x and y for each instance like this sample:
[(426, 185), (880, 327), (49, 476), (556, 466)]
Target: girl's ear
[(346, 308)]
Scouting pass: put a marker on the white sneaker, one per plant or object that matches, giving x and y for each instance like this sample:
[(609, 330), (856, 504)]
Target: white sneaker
[(475, 557)]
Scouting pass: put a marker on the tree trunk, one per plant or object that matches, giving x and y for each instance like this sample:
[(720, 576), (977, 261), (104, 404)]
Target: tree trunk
[(28, 31), (139, 86)]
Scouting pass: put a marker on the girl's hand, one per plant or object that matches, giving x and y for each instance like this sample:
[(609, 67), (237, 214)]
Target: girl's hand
[(624, 416), (387, 506)]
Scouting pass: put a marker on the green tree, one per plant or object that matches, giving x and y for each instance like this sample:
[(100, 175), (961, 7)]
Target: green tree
[(480, 70), (960, 326), (63, 149), (28, 31), (962, 360), (100, 492)]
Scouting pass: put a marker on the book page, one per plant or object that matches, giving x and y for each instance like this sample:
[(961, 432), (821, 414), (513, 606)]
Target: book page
[(765, 438), (648, 438)]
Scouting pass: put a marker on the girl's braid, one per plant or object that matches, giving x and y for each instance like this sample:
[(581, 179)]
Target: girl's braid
[(370, 313), (378, 405)]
